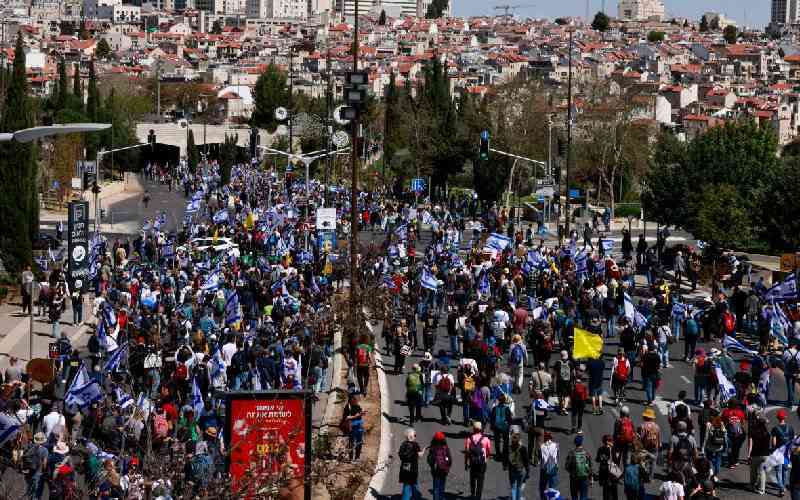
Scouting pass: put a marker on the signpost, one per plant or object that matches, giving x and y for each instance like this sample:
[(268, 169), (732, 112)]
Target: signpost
[(78, 245), (418, 185), (326, 219)]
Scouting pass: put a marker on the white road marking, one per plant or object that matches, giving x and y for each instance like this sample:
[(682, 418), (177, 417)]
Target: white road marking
[(663, 406), (686, 379)]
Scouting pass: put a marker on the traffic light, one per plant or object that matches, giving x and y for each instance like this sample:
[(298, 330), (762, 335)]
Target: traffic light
[(484, 152), (151, 139)]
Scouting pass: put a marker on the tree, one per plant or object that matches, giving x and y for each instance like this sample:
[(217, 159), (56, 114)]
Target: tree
[(270, 92), (192, 154), (382, 18), (665, 191), (436, 8), (228, 153), (394, 134), (781, 214), (561, 21), (19, 172), (601, 22), (730, 33), (103, 49), (656, 36), (83, 33), (77, 89), (714, 24), (92, 96), (703, 24), (722, 219), (63, 85)]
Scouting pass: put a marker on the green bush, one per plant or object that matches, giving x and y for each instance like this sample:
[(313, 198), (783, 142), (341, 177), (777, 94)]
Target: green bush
[(627, 211)]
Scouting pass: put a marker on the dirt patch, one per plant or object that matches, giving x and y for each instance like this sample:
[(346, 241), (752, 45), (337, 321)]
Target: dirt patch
[(343, 479)]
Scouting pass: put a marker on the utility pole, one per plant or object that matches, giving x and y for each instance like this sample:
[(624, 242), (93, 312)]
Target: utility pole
[(329, 124), (291, 90), (158, 89), (354, 193), (569, 136)]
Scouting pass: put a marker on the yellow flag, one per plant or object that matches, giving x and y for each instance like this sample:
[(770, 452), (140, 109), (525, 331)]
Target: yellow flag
[(249, 222), (587, 345)]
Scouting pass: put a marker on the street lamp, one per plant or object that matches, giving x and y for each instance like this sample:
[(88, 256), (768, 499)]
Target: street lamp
[(34, 133)]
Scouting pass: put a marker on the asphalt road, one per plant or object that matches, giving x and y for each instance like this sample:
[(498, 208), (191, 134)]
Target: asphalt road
[(679, 377)]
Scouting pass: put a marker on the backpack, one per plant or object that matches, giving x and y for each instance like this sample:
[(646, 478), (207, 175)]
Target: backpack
[(550, 466), (564, 371), (181, 372), (160, 426), (515, 459), (30, 457), (735, 425), (728, 322), (475, 452), (501, 417), (581, 465), (621, 373), (516, 356), (469, 383), (413, 383), (441, 462), (580, 393), (477, 400), (784, 434), (200, 467), (362, 357), (631, 480), (692, 330), (651, 440), (626, 433), (792, 364), (717, 438), (683, 449), (445, 384)]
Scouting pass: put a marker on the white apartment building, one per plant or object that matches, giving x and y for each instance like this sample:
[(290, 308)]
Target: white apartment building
[(282, 9), (785, 12), (641, 10)]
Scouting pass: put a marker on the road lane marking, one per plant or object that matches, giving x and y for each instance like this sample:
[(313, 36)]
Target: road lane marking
[(663, 406), (686, 379)]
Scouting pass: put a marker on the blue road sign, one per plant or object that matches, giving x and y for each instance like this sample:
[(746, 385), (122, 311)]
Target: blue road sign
[(485, 135), (574, 193), (418, 184)]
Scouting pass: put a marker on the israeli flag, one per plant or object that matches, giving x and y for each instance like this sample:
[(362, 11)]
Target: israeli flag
[(726, 388), (193, 207), (484, 287), (43, 263), (630, 310), (197, 398), (109, 314), (9, 427), (232, 314), (428, 281), (679, 310), (314, 285), (393, 251), (160, 220), (144, 404), (217, 364), (535, 259), (569, 250), (277, 286), (168, 251), (785, 290), (124, 400), (639, 321), (731, 344), (763, 383), (212, 282), (401, 231), (779, 324), (600, 268), (782, 455), (580, 263), (607, 245), (542, 405), (497, 242), (116, 358), (221, 216), (552, 494), (83, 391)]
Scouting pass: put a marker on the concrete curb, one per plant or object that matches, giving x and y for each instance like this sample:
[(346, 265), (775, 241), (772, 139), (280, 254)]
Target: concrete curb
[(336, 381), (384, 449)]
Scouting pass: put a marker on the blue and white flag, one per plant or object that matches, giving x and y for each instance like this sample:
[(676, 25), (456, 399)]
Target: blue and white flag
[(580, 263), (428, 281), (109, 314), (43, 262), (193, 206), (160, 220), (779, 324), (484, 287), (124, 400), (785, 290), (212, 282), (542, 405), (314, 286), (497, 242), (197, 398), (9, 427), (552, 494), (116, 358), (607, 245), (56, 257), (401, 231), (763, 384), (600, 267), (679, 309), (639, 321), (731, 344), (277, 286), (144, 404), (630, 310), (726, 389), (536, 260), (221, 216), (217, 364), (83, 391), (781, 455), (168, 251), (232, 314)]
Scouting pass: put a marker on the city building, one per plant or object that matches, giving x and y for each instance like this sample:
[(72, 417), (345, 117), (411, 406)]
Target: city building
[(641, 10), (785, 12)]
